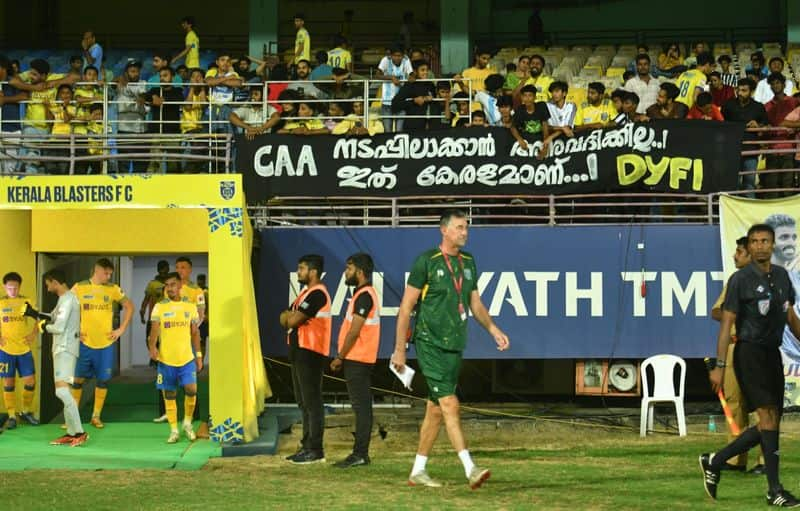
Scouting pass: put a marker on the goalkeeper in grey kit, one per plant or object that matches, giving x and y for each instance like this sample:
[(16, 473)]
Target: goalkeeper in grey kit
[(64, 325)]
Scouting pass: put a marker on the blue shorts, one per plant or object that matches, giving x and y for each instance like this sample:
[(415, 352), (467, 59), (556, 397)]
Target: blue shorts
[(10, 365), (98, 364), (171, 377)]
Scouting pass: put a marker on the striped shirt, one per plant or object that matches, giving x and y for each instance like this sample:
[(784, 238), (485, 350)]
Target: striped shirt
[(731, 79), (564, 116)]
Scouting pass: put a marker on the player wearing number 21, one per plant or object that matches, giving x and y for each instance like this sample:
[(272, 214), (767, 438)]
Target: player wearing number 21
[(179, 356)]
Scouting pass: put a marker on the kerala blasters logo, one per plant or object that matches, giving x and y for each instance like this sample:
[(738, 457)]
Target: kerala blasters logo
[(186, 315), (227, 189), (106, 298)]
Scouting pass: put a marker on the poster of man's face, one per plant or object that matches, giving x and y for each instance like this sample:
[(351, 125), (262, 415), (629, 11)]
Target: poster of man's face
[(785, 250)]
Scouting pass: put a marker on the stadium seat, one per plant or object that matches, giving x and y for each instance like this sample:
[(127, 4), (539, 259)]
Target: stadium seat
[(615, 72), (663, 390)]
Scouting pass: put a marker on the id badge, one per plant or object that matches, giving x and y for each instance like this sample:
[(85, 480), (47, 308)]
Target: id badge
[(462, 312)]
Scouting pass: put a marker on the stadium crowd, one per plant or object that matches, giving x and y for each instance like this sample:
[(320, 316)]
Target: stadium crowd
[(401, 94)]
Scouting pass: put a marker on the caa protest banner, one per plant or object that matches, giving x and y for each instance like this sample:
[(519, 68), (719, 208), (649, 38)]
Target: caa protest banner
[(666, 156), (736, 216)]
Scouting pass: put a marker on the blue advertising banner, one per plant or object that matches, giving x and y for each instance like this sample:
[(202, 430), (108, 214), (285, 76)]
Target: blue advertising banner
[(558, 292)]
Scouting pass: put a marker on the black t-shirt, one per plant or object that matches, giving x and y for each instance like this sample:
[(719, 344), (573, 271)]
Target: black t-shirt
[(169, 111), (363, 305), (761, 303), (310, 306), (733, 111), (530, 124)]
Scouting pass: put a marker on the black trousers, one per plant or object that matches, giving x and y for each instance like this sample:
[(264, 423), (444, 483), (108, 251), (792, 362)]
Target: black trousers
[(307, 370), (358, 376)]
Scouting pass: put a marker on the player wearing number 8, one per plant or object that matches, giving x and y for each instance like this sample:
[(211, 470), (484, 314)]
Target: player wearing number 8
[(178, 354), (692, 82)]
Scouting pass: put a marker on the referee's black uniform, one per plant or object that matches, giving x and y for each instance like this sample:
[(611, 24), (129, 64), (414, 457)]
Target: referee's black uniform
[(762, 301)]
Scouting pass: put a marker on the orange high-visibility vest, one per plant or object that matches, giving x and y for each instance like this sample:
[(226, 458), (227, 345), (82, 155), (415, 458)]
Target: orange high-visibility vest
[(315, 334), (366, 347)]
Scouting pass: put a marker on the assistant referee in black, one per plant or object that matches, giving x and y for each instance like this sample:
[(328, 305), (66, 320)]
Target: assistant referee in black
[(759, 301)]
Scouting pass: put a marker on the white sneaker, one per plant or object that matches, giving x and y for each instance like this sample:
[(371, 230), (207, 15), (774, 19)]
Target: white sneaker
[(187, 428), (174, 436), (423, 479), (159, 420)]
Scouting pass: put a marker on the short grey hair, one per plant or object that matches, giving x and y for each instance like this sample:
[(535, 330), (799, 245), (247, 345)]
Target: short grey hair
[(449, 214)]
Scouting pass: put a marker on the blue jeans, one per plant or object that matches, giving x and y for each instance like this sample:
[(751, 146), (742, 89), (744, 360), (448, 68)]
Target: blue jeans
[(32, 167), (386, 111), (748, 181)]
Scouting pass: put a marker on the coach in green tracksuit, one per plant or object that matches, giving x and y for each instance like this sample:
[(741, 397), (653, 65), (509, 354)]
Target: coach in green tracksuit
[(444, 283)]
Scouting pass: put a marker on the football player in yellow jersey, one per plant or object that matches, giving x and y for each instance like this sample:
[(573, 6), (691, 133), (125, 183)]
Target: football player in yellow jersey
[(692, 82), (596, 111), (17, 334), (98, 336), (179, 357), (189, 293), (340, 56)]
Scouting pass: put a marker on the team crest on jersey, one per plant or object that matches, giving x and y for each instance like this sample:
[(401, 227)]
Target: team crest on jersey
[(106, 298), (227, 189), (186, 315), (763, 306), (468, 273), (440, 273)]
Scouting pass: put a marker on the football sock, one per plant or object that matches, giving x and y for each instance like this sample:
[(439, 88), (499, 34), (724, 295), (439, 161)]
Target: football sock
[(10, 400), (419, 464), (27, 397), (748, 439), (99, 400), (769, 445), (466, 460), (189, 403)]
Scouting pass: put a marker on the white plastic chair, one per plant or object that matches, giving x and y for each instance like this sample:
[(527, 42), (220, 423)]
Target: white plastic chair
[(663, 390)]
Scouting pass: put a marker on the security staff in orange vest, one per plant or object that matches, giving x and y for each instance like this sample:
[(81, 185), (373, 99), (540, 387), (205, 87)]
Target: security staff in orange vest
[(359, 338), (308, 328)]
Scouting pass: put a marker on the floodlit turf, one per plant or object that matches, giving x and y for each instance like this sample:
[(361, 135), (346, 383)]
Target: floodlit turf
[(534, 466)]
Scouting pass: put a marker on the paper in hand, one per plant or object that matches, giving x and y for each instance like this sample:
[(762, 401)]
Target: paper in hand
[(405, 377)]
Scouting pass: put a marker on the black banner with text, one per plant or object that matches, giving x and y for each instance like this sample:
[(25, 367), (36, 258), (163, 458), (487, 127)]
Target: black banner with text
[(665, 156)]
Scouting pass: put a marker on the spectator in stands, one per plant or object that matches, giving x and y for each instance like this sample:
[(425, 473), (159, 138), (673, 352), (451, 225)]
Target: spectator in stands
[(616, 99), (627, 75), (719, 91), (692, 82), (191, 45), (539, 80), (440, 113), (302, 41), (354, 123), (506, 107), (278, 75), (394, 68), (336, 111), (61, 112), (643, 84), (597, 111), (92, 51), (322, 70), (417, 54), (303, 85), (691, 60), (669, 62), (165, 104), (462, 108), (42, 86), (132, 111), (705, 109), (488, 98), (160, 61), (764, 90), (757, 66), (10, 98), (192, 115), (727, 75), (93, 125), (183, 73), (641, 49), (243, 66), (521, 74), (478, 120), (777, 109), (253, 119), (85, 95), (531, 121), (667, 106), (306, 124), (477, 74), (414, 97), (76, 65), (15, 66), (222, 81), (340, 56), (744, 109), (562, 112), (342, 87), (630, 101)]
